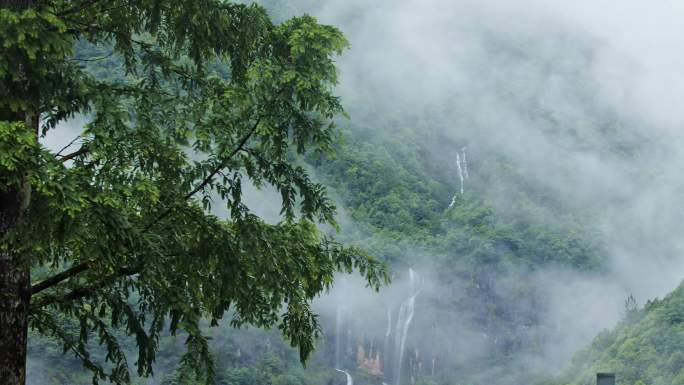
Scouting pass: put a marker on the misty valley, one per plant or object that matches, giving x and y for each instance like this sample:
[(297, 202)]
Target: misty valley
[(302, 192)]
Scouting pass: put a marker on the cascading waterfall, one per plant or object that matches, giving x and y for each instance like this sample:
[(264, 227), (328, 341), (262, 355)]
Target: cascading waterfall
[(403, 322), (404, 318), (343, 329), (338, 330), (461, 177), (432, 373), (342, 319), (464, 163), (462, 167), (349, 351), (350, 380), (386, 347), (392, 353)]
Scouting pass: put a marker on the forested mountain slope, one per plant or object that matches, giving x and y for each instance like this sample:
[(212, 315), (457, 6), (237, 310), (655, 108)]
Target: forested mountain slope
[(644, 349)]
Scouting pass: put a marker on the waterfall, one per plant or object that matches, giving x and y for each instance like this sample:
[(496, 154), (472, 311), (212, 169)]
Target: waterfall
[(349, 351), (343, 335), (342, 319), (385, 347), (404, 318), (462, 167), (338, 330), (464, 163), (392, 354), (461, 177), (433, 366), (343, 327), (403, 322), (350, 380)]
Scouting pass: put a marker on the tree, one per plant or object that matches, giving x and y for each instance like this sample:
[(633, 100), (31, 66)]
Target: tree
[(115, 231)]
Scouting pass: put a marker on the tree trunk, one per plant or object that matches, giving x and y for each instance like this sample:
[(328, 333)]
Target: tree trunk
[(15, 284), (15, 280), (14, 297)]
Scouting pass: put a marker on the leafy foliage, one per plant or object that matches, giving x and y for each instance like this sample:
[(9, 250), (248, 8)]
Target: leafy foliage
[(204, 97)]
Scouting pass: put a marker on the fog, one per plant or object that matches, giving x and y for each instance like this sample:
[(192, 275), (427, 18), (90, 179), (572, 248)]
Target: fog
[(498, 76)]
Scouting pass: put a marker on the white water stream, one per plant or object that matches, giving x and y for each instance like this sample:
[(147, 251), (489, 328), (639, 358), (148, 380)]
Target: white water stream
[(350, 380), (404, 318), (462, 167)]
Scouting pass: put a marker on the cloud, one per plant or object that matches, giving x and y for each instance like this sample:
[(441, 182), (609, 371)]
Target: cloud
[(504, 73)]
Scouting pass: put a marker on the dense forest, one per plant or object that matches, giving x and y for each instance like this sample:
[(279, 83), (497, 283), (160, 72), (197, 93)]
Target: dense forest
[(518, 209)]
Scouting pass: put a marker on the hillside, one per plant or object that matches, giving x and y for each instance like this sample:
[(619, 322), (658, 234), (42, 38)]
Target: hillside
[(644, 349)]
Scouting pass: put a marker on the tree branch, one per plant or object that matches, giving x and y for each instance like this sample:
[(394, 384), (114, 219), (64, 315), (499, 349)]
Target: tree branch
[(77, 8), (86, 290), (84, 266), (57, 278), (91, 59), (209, 177), (67, 146), (67, 157)]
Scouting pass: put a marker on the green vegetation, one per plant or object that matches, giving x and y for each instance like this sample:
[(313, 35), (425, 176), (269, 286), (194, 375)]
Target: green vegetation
[(114, 235), (393, 188)]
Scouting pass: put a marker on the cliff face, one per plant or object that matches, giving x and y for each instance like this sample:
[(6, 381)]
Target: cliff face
[(370, 363)]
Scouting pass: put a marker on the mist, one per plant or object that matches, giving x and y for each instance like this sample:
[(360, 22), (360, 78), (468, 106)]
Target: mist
[(495, 76)]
